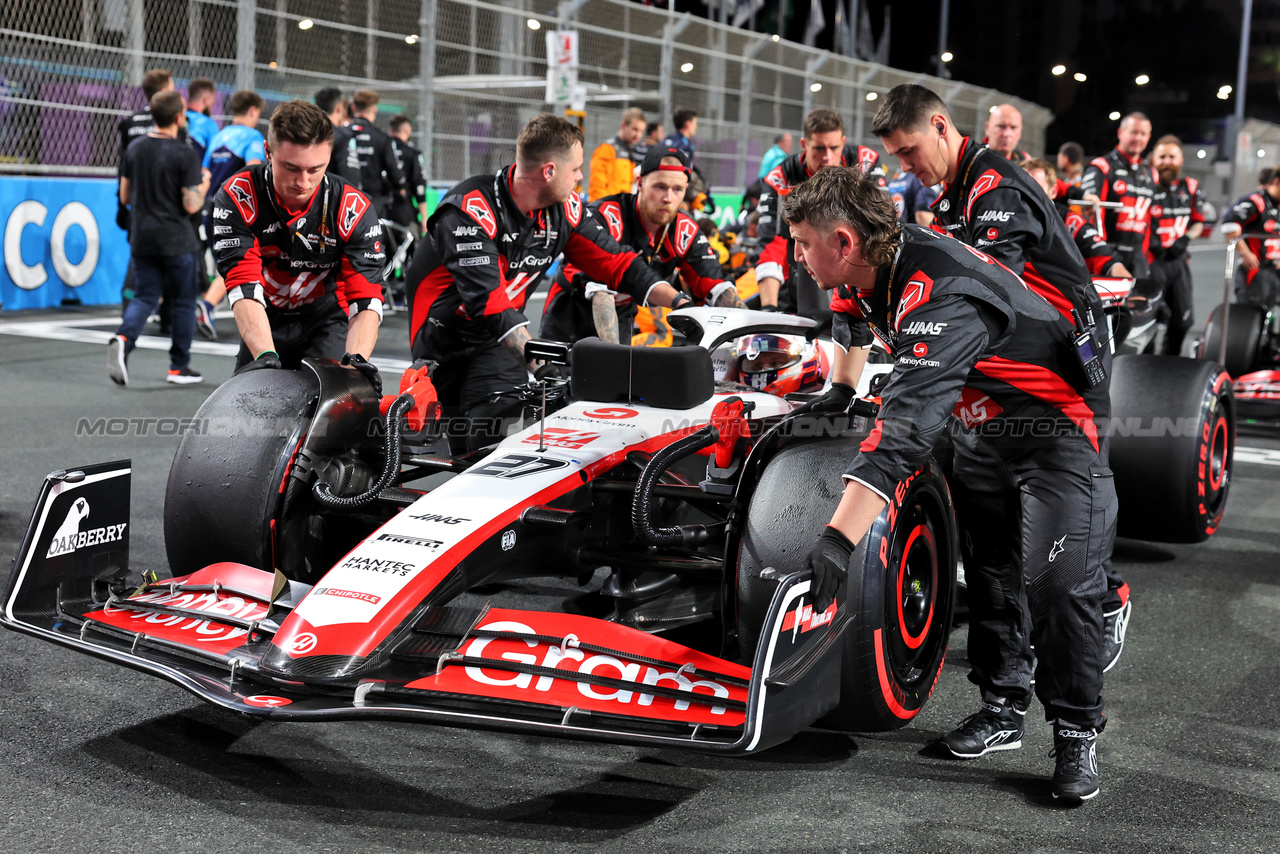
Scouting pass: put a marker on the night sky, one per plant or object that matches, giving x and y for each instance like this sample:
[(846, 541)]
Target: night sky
[(1188, 48)]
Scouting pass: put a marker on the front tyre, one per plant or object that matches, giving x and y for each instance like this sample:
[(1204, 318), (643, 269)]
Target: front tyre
[(901, 586), (895, 645)]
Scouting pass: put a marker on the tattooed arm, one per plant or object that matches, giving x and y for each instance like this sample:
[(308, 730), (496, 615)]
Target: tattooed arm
[(605, 315)]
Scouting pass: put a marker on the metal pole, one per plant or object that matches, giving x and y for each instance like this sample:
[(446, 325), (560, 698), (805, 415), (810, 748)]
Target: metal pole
[(1241, 66), (1226, 295), (279, 24), (137, 42), (246, 42), (427, 83), (370, 40), (943, 23)]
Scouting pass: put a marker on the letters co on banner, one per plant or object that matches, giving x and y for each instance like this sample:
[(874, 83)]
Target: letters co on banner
[(60, 242)]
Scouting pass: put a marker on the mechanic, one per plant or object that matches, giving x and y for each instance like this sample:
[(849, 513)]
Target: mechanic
[(1004, 132), (992, 205), (822, 144), (650, 223), (381, 178), (1177, 218), (911, 199), (231, 149), (1122, 176), (346, 162), (490, 240), (301, 252), (1098, 256), (410, 211), (613, 163), (1037, 506), (1258, 276)]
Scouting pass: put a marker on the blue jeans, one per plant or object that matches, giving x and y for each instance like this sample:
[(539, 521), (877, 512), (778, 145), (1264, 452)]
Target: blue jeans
[(175, 278)]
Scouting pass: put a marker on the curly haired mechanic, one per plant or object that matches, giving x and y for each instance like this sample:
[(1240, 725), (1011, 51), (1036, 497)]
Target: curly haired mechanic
[(1032, 489)]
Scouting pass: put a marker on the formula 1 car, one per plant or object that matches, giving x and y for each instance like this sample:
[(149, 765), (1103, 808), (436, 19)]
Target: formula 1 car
[(1245, 338), (310, 580)]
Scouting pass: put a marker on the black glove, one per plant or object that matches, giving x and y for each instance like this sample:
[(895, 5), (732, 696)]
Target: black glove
[(551, 372), (364, 366), (828, 560), (835, 399), (266, 359), (122, 217)]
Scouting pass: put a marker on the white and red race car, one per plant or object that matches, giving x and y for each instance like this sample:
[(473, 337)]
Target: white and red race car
[(325, 563)]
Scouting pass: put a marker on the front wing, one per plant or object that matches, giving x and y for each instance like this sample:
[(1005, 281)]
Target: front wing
[(502, 669)]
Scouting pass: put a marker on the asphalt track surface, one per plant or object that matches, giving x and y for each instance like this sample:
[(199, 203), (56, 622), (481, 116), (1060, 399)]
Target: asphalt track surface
[(98, 758)]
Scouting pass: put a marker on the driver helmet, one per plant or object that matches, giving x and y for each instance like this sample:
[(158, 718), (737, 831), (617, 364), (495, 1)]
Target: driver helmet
[(781, 364)]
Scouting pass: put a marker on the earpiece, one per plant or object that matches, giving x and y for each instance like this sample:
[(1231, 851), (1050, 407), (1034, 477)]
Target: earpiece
[(939, 127)]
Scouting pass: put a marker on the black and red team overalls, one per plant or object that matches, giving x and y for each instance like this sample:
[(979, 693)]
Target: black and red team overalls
[(1036, 502), (1116, 178), (312, 269), (469, 281), (1257, 213), (680, 245), (1174, 208), (799, 294)]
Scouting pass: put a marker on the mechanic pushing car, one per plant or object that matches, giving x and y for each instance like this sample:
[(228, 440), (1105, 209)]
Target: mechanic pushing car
[(990, 203), (491, 239), (784, 286), (648, 222), (301, 252), (1033, 492)]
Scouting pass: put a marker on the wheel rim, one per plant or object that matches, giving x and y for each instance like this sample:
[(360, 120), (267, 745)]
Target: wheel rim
[(920, 593)]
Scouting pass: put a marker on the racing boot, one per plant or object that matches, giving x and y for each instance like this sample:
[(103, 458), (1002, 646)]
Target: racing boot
[(1075, 777), (1114, 625), (998, 725)]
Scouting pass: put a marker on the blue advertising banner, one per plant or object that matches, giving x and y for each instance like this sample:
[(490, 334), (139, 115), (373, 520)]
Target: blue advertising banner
[(60, 242)]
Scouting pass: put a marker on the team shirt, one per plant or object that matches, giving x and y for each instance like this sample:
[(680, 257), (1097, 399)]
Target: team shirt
[(290, 260), (1115, 177), (970, 340), (995, 206), (1174, 208), (469, 282), (1258, 213), (909, 195), (200, 130)]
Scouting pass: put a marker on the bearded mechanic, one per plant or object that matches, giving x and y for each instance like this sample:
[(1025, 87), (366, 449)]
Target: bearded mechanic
[(648, 222), (970, 338), (783, 286), (491, 239), (301, 252)]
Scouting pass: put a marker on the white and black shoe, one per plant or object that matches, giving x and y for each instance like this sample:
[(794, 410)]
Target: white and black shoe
[(1114, 625), (118, 360), (996, 726), (184, 376), (1075, 776)]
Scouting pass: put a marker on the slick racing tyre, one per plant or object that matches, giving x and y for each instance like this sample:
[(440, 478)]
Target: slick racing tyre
[(901, 587), (1172, 439), (1245, 325), (228, 498)]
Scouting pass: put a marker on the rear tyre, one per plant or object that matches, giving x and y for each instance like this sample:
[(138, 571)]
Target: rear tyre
[(1245, 325), (1172, 441), (228, 498), (901, 587)]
